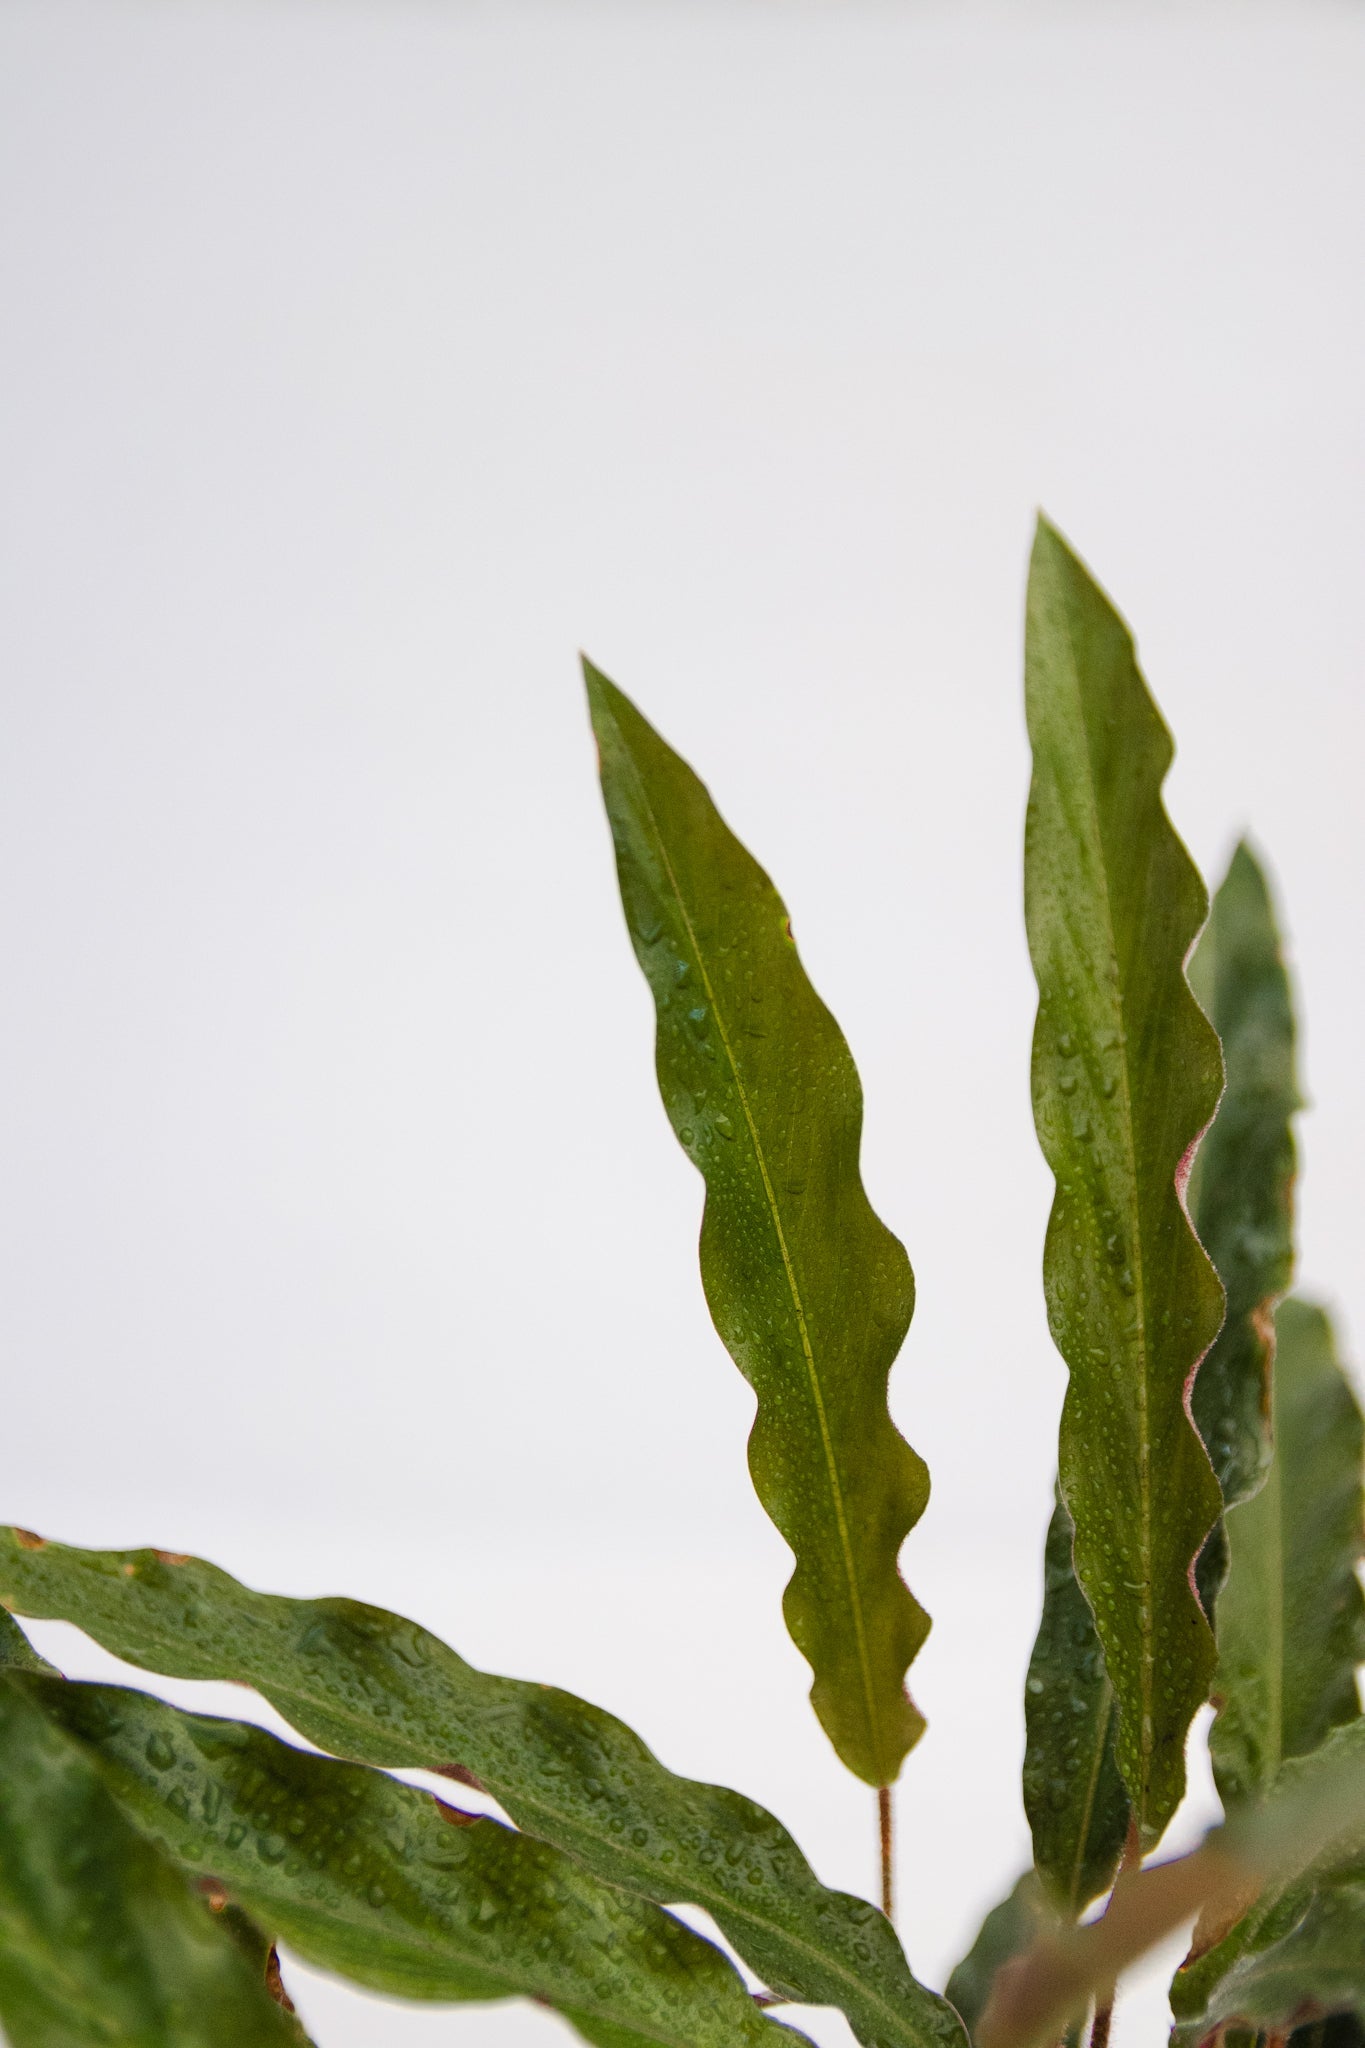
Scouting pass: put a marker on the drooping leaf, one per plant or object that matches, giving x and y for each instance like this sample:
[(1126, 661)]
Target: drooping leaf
[(1074, 1794), (808, 1288), (384, 1885), (370, 1686), (1241, 1192), (1291, 1617), (1126, 1074), (1007, 1930), (102, 1940)]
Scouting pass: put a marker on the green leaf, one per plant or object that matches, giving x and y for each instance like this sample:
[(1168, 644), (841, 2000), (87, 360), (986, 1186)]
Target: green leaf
[(1315, 1970), (1007, 1930), (101, 1938), (1324, 1842), (1074, 1795), (382, 1884), (1126, 1074), (373, 1687), (808, 1288), (1241, 1192), (1291, 1617), (16, 1651)]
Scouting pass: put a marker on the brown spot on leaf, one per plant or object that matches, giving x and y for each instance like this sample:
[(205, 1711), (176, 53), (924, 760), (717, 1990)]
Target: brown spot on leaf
[(26, 1540), (456, 1815), (170, 1557), (213, 1892), (274, 1982), (462, 1776), (129, 1569)]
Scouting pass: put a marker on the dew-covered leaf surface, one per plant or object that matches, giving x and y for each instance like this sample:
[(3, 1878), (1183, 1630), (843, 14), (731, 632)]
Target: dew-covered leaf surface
[(1126, 1074), (102, 1938), (371, 1686), (388, 1887), (809, 1290), (1074, 1795)]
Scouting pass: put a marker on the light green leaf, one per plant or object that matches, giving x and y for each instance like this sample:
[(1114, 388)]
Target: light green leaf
[(1074, 1795), (381, 1883), (1126, 1074), (1241, 1192), (1007, 1930), (809, 1290), (102, 1940), (1291, 1617), (371, 1686)]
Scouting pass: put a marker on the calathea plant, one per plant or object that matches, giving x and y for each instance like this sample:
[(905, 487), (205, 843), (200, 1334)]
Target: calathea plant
[(1204, 1544)]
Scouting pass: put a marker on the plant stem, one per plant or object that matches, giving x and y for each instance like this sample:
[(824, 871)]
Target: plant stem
[(888, 1850), (1104, 2003)]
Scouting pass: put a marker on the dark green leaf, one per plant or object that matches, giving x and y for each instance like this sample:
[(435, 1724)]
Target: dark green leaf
[(1291, 1617), (384, 1885), (1126, 1074), (102, 1940), (1073, 1792), (1241, 1192), (371, 1686), (809, 1290), (1007, 1930)]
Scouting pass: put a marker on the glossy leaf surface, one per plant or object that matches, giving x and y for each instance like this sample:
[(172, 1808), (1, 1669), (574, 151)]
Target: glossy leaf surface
[(1074, 1794), (1126, 1074), (379, 1689), (379, 1882), (1007, 1930), (1241, 1192), (809, 1290), (1291, 1616), (101, 1938)]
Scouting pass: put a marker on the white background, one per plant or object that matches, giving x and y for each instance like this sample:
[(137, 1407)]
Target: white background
[(360, 363)]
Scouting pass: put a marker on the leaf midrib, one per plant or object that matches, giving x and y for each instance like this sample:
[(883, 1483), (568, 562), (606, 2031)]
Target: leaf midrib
[(788, 1266), (1102, 1720), (1147, 1660)]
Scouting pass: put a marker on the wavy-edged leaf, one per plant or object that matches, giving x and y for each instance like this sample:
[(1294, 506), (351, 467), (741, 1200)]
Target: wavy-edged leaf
[(381, 1690), (1241, 1192), (808, 1288), (16, 1651), (1074, 1794), (1126, 1074), (384, 1885), (1291, 1616), (1007, 1930), (102, 1939)]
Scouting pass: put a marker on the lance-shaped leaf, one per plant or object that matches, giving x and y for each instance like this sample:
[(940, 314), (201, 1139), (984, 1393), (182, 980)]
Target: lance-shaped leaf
[(385, 1885), (808, 1288), (1241, 1192), (1291, 1616), (102, 1939), (371, 1686), (1074, 1794), (1126, 1074)]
